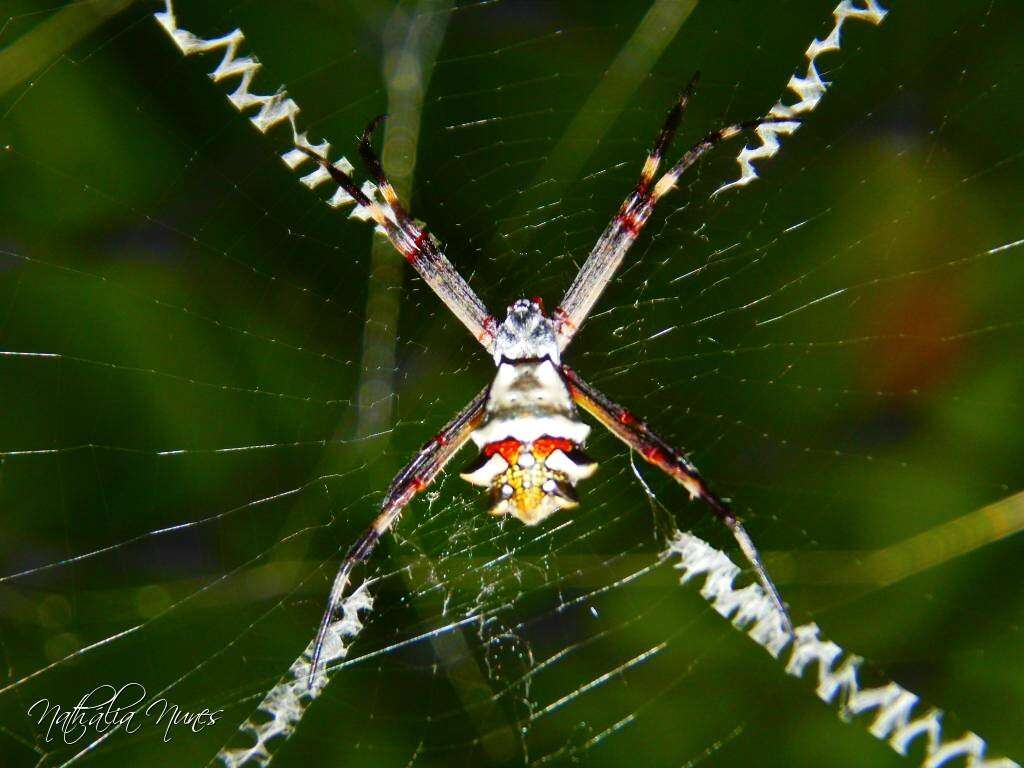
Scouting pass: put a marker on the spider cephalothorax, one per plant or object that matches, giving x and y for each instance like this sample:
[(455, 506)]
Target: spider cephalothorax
[(526, 424), (530, 434)]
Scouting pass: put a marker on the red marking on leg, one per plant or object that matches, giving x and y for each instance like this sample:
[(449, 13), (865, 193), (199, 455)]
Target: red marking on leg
[(544, 446), (508, 449), (412, 253), (654, 455), (625, 417), (563, 317), (488, 333), (540, 303), (628, 221), (418, 483), (440, 439)]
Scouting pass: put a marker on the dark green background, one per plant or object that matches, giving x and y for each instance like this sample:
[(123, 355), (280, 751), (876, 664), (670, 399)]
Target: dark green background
[(200, 299)]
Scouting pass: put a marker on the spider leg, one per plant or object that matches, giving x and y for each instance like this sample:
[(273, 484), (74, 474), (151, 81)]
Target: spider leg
[(606, 256), (413, 242), (415, 477), (637, 435)]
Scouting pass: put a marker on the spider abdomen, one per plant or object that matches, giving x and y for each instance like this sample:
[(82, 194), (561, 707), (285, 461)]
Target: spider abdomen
[(530, 443), (531, 480)]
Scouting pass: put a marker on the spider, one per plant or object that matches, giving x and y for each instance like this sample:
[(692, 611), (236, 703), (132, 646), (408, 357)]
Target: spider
[(526, 423)]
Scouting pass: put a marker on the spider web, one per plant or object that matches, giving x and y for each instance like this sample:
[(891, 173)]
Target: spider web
[(210, 377)]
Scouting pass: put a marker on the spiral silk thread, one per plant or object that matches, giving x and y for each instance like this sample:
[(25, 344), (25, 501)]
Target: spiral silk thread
[(809, 91), (273, 109), (749, 609)]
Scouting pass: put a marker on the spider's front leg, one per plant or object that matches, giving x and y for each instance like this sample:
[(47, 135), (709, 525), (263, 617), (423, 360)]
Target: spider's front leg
[(637, 435), (412, 241), (416, 476), (606, 257)]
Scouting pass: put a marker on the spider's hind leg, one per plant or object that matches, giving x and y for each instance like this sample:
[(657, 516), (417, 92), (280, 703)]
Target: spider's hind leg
[(639, 437), (415, 477)]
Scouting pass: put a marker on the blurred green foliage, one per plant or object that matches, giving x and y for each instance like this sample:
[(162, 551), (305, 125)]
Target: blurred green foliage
[(838, 346)]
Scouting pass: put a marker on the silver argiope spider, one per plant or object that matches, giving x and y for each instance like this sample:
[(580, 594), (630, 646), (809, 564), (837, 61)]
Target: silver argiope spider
[(526, 423)]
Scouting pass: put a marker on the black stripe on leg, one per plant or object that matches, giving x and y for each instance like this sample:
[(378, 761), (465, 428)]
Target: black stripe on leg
[(367, 153), (668, 131), (339, 177), (363, 548)]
